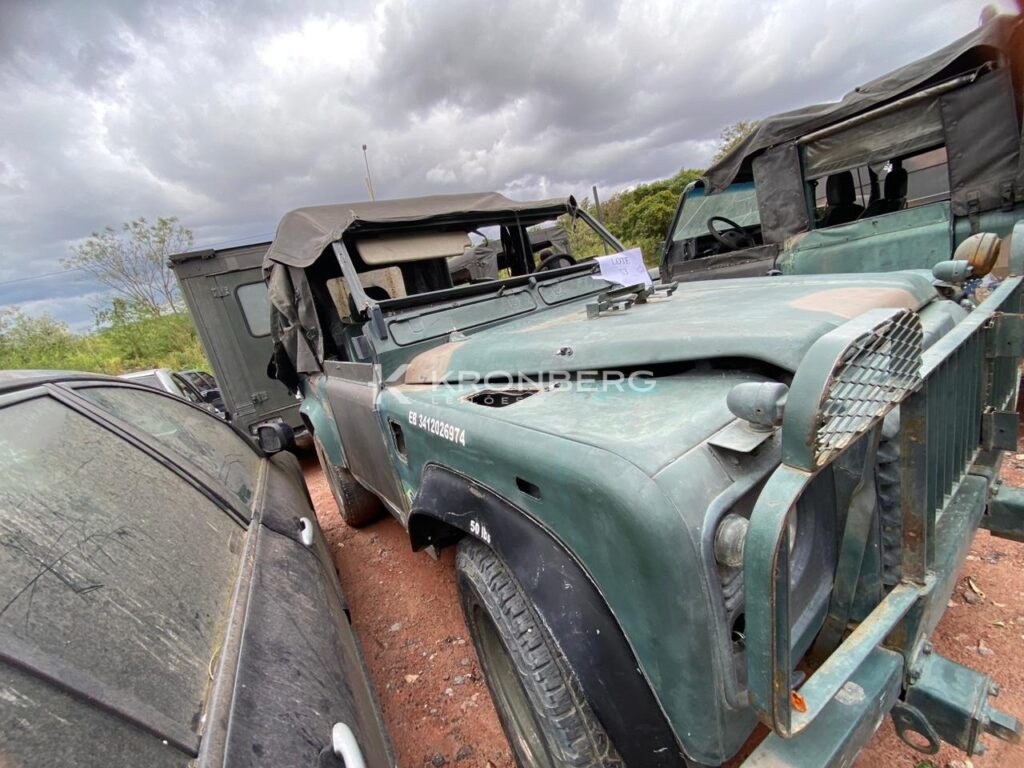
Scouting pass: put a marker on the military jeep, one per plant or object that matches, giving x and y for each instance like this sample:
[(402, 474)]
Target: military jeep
[(894, 176), (680, 510)]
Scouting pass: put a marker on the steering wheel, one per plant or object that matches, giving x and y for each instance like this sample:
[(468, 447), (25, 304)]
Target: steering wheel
[(733, 237), (552, 262)]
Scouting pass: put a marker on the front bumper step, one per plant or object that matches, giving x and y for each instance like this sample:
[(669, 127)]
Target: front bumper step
[(846, 723), (947, 702)]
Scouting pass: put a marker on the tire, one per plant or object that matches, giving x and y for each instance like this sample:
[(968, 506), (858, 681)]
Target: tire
[(541, 706), (357, 506)]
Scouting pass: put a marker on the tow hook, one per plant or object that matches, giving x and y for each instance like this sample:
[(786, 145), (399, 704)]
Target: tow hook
[(950, 702)]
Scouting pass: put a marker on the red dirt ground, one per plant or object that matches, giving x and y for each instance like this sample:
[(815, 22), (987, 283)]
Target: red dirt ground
[(406, 614)]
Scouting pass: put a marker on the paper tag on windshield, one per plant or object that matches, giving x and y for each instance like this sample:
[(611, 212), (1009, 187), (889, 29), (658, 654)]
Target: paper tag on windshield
[(625, 268)]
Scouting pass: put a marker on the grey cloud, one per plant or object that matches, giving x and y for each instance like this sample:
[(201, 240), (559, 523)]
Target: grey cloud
[(228, 114)]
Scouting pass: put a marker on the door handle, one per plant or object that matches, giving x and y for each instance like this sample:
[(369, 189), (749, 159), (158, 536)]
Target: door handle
[(345, 746), (305, 532)]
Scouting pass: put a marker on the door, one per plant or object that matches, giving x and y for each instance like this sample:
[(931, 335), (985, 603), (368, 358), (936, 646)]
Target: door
[(352, 391), (298, 669), (244, 346)]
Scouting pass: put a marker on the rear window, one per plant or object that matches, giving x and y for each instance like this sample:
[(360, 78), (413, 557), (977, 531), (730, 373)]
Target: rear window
[(110, 562), (255, 303)]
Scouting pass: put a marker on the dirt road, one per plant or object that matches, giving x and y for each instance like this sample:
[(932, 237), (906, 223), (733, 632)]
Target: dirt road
[(406, 613)]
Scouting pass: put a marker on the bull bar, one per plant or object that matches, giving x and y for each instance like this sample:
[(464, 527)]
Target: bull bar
[(956, 404)]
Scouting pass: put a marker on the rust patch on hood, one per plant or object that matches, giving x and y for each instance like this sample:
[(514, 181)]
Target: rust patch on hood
[(851, 302), (431, 366)]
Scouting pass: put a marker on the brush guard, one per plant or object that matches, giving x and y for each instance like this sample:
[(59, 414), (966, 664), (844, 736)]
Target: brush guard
[(957, 403)]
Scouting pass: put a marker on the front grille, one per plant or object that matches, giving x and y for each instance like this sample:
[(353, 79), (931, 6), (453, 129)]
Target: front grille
[(877, 370)]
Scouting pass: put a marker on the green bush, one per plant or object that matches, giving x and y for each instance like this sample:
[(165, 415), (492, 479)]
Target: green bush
[(127, 338)]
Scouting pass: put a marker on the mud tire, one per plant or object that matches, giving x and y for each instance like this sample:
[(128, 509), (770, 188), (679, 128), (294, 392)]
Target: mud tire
[(546, 718)]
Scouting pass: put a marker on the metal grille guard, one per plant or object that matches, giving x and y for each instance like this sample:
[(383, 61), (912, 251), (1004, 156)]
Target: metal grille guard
[(957, 404)]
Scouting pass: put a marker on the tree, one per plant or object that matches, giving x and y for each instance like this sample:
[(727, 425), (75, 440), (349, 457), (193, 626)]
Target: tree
[(732, 135), (639, 217), (133, 262)]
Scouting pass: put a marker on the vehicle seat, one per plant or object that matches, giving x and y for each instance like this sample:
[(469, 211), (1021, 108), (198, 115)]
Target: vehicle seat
[(895, 196), (841, 205)]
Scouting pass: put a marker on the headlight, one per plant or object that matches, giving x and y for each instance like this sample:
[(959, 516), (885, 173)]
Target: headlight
[(732, 535)]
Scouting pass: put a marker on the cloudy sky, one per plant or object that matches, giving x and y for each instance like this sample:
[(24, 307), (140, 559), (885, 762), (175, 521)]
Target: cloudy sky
[(228, 114)]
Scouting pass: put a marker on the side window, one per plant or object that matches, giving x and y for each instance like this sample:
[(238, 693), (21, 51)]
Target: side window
[(199, 436), (255, 303), (110, 564)]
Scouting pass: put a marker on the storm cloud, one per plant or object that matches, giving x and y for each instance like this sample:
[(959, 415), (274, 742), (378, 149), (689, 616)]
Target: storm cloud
[(228, 114)]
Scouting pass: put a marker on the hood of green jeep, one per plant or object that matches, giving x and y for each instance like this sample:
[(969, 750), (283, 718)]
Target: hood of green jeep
[(774, 320)]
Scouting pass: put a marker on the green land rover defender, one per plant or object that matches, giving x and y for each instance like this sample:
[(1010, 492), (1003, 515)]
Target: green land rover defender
[(680, 509), (894, 176)]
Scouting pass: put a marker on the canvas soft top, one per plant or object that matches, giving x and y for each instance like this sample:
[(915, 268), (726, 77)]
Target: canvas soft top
[(304, 233), (1000, 34)]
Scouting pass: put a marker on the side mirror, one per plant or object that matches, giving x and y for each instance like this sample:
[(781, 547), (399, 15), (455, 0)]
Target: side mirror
[(275, 436)]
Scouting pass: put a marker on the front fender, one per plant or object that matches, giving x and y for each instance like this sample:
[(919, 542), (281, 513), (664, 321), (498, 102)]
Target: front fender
[(570, 605)]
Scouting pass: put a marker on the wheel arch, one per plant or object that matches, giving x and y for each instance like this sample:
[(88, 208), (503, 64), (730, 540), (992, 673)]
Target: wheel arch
[(449, 506)]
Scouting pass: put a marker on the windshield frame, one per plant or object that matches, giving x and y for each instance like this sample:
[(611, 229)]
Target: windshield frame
[(375, 309)]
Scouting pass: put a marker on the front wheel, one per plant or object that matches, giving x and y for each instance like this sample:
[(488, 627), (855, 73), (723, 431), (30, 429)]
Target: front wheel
[(357, 506), (541, 706)]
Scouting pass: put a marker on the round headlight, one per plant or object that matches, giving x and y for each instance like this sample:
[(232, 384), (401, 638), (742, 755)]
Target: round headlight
[(731, 537)]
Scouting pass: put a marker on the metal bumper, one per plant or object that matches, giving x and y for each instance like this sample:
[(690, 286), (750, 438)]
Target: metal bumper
[(956, 413)]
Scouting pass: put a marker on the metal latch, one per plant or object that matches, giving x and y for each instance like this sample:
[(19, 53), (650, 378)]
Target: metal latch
[(1008, 196), (258, 397), (1005, 335), (999, 430), (220, 291), (626, 297)]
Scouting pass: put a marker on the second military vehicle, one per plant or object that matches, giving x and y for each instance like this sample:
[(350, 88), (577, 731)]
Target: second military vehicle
[(227, 298), (893, 176)]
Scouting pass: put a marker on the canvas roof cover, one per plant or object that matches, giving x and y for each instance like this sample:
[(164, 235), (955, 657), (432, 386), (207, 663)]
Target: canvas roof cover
[(304, 233), (971, 50)]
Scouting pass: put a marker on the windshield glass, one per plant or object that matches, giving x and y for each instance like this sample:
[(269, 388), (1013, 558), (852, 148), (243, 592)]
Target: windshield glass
[(737, 203)]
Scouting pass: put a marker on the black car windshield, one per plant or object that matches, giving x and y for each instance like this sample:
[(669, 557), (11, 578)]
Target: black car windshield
[(113, 569)]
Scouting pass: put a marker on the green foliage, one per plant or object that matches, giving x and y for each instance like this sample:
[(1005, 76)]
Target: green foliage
[(639, 217), (34, 342), (129, 336), (145, 326), (731, 136), (133, 262)]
